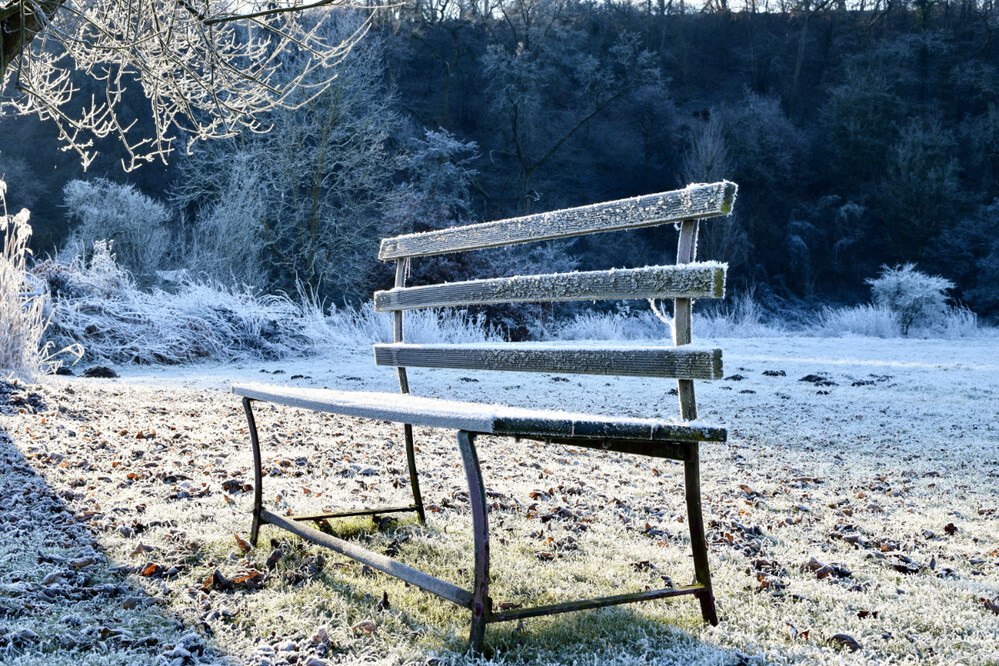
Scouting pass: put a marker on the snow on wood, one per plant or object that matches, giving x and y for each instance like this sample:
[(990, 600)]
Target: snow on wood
[(474, 416), (704, 280), (610, 360), (693, 202)]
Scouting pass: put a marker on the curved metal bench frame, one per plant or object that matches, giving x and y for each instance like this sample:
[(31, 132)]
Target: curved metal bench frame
[(477, 599)]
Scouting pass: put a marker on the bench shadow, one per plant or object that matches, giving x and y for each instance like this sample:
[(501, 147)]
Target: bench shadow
[(605, 635), (60, 594)]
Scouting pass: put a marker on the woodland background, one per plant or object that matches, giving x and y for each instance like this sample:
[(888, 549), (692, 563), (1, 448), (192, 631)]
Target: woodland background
[(860, 136)]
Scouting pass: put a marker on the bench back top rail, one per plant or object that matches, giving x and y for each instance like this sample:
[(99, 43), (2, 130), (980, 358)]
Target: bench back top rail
[(691, 203)]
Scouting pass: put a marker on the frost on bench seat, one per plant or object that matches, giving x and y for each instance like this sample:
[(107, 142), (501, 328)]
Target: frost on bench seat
[(478, 417)]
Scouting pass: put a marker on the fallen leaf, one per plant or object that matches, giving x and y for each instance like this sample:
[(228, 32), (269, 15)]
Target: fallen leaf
[(216, 581), (364, 627), (152, 569), (845, 640), (142, 548), (243, 544)]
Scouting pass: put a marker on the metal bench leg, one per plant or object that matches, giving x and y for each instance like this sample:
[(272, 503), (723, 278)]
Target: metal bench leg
[(481, 603), (414, 478), (698, 542), (257, 473)]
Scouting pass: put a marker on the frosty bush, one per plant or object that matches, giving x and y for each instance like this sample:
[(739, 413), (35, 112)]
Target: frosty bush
[(102, 210), (95, 302), (868, 320), (22, 302), (913, 296)]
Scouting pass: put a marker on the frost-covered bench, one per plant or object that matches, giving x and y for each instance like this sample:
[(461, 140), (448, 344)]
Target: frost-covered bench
[(650, 437)]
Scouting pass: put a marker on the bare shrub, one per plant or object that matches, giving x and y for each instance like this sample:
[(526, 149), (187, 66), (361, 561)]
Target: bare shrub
[(102, 210)]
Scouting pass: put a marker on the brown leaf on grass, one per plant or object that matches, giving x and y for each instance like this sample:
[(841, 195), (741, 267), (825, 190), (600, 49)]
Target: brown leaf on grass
[(544, 557), (845, 640), (236, 486), (250, 579), (273, 558), (142, 548), (950, 528), (364, 627), (992, 605), (861, 614), (216, 581), (53, 577), (792, 630), (243, 544), (151, 569)]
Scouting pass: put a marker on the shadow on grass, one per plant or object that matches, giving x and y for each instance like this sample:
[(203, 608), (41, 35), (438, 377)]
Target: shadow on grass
[(623, 634), (61, 600)]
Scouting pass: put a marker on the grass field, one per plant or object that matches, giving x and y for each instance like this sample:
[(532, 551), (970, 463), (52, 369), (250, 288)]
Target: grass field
[(119, 500)]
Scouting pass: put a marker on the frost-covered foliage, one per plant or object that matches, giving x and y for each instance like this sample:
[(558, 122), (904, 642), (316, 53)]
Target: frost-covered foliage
[(136, 224), (22, 302), (439, 178), (311, 196), (743, 317), (915, 297), (868, 320), (226, 242), (95, 302), (207, 70)]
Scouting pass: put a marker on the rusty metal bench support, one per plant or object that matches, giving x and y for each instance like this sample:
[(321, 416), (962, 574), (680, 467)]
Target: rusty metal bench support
[(477, 599)]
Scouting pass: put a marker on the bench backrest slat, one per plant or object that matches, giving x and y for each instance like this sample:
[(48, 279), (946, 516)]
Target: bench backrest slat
[(665, 362), (682, 282), (693, 202), (688, 281)]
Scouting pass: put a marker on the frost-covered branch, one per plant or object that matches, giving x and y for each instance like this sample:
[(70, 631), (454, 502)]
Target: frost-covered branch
[(208, 68)]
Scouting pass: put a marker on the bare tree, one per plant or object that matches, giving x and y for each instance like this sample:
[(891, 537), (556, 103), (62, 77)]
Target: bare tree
[(209, 68), (315, 190), (545, 86)]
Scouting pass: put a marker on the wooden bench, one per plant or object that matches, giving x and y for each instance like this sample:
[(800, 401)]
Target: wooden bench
[(648, 437)]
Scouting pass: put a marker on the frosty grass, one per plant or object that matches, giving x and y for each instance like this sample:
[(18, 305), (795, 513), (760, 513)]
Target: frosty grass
[(886, 467)]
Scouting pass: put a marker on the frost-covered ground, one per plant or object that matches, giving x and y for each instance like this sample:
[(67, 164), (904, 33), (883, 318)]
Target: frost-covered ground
[(884, 468)]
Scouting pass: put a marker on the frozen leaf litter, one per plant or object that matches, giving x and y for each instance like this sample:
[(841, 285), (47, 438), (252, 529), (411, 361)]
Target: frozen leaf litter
[(852, 522)]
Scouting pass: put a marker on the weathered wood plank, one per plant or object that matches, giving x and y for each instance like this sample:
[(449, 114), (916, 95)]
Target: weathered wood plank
[(478, 417), (686, 252), (576, 431), (692, 202), (705, 280), (666, 362)]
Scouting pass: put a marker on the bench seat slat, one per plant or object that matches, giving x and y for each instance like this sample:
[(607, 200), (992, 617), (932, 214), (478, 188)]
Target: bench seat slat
[(704, 280), (478, 417), (667, 362), (693, 202)]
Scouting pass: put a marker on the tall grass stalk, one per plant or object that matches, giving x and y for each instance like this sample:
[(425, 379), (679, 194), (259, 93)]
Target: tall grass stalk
[(22, 303)]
